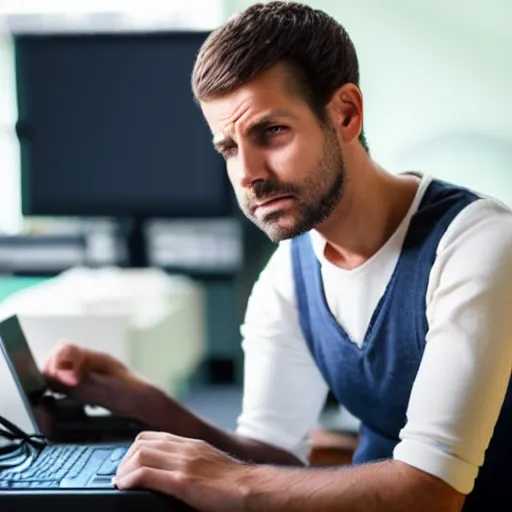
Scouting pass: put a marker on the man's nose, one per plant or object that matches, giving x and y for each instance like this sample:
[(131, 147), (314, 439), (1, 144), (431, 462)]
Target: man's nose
[(250, 167)]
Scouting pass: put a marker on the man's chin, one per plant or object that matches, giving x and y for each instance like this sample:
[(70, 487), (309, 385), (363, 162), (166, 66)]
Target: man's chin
[(278, 226), (277, 232)]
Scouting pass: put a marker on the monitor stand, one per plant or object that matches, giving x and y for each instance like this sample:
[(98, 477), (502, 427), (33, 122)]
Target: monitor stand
[(136, 243)]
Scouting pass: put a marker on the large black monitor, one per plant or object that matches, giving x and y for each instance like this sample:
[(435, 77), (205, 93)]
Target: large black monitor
[(108, 128)]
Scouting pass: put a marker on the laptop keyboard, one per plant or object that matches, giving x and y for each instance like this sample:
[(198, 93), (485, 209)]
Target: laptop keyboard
[(56, 463)]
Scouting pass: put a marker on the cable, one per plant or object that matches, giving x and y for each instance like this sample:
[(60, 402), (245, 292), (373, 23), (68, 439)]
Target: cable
[(14, 433), (25, 447)]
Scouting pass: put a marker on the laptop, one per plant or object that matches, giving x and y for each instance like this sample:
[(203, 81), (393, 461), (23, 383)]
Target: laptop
[(38, 459)]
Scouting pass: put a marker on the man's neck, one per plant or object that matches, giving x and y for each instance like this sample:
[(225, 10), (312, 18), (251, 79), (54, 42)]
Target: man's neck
[(373, 206)]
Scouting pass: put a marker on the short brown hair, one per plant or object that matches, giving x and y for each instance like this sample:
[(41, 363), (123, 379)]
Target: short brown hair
[(319, 50)]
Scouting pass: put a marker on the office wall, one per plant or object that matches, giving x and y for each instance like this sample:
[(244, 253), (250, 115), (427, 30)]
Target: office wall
[(437, 85)]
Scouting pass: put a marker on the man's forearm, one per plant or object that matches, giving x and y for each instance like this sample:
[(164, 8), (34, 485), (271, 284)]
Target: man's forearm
[(389, 486), (160, 412)]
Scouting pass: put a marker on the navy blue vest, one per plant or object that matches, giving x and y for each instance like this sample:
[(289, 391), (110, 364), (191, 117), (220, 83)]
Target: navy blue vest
[(374, 382)]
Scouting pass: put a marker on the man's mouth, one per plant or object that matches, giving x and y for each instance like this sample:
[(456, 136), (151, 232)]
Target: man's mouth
[(272, 203), (272, 199)]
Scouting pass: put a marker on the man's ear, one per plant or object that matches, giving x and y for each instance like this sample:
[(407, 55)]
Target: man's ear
[(345, 110)]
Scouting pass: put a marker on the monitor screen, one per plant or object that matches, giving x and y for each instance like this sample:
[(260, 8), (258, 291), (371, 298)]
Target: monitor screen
[(30, 382), (108, 127)]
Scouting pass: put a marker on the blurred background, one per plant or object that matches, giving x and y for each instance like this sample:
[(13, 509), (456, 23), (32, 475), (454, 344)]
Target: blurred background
[(118, 228)]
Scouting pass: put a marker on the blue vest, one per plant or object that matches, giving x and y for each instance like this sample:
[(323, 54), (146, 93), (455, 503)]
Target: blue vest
[(374, 381)]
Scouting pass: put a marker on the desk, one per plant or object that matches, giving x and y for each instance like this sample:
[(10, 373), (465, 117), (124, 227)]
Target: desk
[(94, 500)]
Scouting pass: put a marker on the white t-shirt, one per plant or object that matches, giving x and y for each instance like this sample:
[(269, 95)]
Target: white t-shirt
[(466, 366)]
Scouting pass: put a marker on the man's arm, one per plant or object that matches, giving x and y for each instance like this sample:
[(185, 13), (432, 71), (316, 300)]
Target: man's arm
[(390, 486), (208, 479), (466, 367), (162, 413)]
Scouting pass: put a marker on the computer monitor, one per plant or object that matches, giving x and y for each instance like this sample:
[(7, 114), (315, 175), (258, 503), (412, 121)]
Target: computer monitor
[(108, 127)]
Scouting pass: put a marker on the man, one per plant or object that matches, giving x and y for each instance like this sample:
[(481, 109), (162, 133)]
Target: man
[(392, 290)]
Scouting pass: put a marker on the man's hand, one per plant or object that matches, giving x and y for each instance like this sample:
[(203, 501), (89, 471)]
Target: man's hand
[(190, 470), (94, 378)]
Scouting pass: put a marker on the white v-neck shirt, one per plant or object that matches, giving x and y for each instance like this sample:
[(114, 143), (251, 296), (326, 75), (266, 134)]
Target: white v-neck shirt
[(466, 366)]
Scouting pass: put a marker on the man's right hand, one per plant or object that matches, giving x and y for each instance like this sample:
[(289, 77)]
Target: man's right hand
[(94, 378)]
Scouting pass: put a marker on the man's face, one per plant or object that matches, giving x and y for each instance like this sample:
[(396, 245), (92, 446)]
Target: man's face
[(285, 167)]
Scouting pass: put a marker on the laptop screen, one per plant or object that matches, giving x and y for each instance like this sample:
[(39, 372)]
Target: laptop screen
[(30, 382)]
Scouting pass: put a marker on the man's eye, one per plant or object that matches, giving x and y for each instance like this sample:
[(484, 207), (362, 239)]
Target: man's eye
[(229, 151), (275, 130)]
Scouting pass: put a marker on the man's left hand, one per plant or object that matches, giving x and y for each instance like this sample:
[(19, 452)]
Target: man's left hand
[(188, 469)]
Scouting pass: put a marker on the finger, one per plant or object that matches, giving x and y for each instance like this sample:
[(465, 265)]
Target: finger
[(134, 452), (49, 362), (162, 440), (69, 378), (61, 346), (69, 365), (147, 435), (65, 364), (160, 480), (149, 457)]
